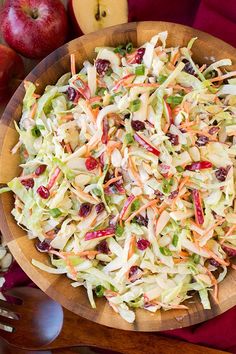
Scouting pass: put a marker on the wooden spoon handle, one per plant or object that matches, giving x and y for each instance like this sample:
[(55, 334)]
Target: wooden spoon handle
[(78, 331)]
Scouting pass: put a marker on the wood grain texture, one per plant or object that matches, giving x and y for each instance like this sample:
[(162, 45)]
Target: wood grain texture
[(58, 287)]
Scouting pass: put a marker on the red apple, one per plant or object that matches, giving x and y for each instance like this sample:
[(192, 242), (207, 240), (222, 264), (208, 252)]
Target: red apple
[(92, 15), (110, 231), (11, 71), (197, 203), (34, 28), (125, 210), (146, 144)]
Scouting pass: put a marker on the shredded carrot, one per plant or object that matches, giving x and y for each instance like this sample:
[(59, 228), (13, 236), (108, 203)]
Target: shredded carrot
[(111, 145), (134, 172), (228, 233), (110, 293), (132, 246), (213, 226), (95, 99), (162, 207), (142, 208), (35, 95), (72, 64), (146, 84), (112, 180), (222, 77), (166, 128), (184, 254), (214, 282), (50, 234), (67, 117), (203, 67), (183, 182), (33, 110), (95, 112), (68, 148), (213, 255), (175, 58)]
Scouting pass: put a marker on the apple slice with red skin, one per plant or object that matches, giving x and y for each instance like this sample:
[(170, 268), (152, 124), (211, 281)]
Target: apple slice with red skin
[(125, 210), (229, 250), (110, 231), (34, 28), (197, 203), (11, 71), (146, 144), (91, 15)]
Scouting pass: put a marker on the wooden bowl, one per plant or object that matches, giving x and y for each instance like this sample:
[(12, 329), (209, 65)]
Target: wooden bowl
[(57, 286)]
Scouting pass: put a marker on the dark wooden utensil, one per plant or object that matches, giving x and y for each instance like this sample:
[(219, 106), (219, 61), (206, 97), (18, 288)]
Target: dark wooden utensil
[(40, 323), (37, 320)]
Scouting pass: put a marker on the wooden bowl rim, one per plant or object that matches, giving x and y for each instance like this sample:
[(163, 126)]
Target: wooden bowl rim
[(46, 63)]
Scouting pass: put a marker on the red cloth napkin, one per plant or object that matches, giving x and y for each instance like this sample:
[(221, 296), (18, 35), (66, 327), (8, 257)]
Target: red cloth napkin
[(217, 17)]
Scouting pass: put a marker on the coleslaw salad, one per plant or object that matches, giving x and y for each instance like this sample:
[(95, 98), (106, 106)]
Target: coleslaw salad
[(128, 175)]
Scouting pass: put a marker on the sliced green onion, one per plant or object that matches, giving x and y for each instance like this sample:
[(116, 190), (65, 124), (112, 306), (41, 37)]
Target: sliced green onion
[(55, 213), (196, 258), (128, 139), (135, 105), (97, 192), (165, 251), (119, 231), (161, 79), (120, 49), (100, 91), (99, 290), (135, 205), (175, 240), (36, 132), (179, 168), (139, 70), (174, 100), (129, 47)]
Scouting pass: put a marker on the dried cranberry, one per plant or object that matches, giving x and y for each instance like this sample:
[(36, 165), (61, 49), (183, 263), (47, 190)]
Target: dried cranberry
[(213, 130), (188, 67), (202, 140), (174, 194), (174, 139), (137, 125), (139, 55), (159, 194), (103, 247), (183, 130), (43, 246), (213, 262), (135, 273), (85, 210), (28, 183), (230, 251), (43, 192), (91, 163), (112, 220), (111, 189), (141, 220), (102, 65), (99, 208), (200, 165), (71, 93), (40, 170), (142, 244), (221, 174)]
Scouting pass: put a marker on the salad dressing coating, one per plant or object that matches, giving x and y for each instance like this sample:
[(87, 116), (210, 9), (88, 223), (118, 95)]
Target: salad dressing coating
[(128, 175)]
